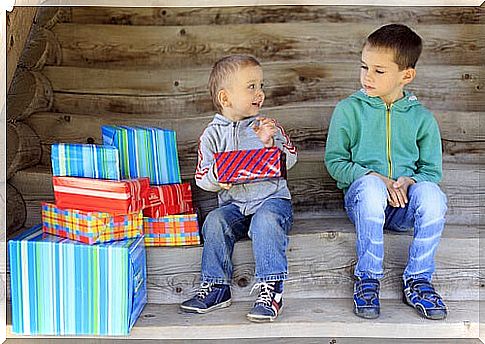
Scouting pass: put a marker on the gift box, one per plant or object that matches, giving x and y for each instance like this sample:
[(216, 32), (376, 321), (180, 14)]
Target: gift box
[(62, 287), (250, 165), (171, 199), (117, 197), (90, 227), (85, 160), (145, 152), (171, 230)]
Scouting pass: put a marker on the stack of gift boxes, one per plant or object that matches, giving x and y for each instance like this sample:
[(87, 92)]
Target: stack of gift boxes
[(83, 271)]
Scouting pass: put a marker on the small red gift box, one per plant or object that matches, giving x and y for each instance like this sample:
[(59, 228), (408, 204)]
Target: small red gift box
[(170, 199), (249, 165), (87, 194)]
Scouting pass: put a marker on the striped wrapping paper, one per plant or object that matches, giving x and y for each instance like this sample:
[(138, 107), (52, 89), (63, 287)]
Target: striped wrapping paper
[(84, 160), (90, 227), (171, 199), (62, 287), (145, 152), (249, 165), (171, 230), (117, 197)]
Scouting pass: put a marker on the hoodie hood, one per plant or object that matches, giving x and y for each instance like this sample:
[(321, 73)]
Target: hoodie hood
[(404, 104)]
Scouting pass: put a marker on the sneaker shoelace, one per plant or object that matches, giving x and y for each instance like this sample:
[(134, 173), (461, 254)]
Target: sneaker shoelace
[(204, 290), (265, 293), (367, 289)]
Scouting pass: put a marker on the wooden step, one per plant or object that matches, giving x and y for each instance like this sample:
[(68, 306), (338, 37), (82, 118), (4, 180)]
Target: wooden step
[(321, 259), (315, 317)]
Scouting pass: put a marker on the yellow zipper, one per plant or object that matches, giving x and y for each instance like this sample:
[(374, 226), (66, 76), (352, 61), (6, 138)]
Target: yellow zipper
[(388, 140)]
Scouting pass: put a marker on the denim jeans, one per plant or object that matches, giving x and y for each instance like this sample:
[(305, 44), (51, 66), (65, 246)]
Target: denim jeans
[(366, 206), (268, 229)]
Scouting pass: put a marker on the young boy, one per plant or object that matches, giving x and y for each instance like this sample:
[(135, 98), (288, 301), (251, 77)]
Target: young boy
[(384, 150), (261, 210)]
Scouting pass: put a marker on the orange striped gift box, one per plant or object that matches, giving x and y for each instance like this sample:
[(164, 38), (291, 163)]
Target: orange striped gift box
[(171, 230), (90, 227)]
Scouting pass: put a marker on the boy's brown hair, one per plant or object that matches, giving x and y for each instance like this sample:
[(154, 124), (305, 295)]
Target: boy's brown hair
[(404, 42), (223, 69)]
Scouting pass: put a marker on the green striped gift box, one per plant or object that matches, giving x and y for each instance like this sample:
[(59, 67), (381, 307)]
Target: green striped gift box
[(63, 287), (145, 152)]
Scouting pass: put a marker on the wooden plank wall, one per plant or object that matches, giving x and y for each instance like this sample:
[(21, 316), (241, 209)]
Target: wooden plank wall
[(150, 66)]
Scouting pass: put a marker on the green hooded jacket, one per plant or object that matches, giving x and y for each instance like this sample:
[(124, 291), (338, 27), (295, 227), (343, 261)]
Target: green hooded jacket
[(366, 135)]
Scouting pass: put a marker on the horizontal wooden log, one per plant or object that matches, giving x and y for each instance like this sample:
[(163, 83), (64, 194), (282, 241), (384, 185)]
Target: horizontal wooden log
[(19, 22), (175, 46), (23, 148), (275, 14), (183, 92), (312, 189), (30, 92), (306, 124), (16, 209)]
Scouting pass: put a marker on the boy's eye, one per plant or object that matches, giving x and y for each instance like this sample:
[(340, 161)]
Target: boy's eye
[(252, 86), (364, 67), (379, 71), (262, 85)]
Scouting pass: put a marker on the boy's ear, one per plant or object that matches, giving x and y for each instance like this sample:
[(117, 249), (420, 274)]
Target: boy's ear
[(408, 75), (223, 98)]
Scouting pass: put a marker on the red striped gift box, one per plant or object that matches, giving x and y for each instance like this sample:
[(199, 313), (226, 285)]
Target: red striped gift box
[(249, 165), (171, 199), (117, 197), (171, 230), (90, 227)]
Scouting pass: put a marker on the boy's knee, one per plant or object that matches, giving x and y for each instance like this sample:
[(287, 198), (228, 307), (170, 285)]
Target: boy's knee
[(214, 222), (370, 190), (429, 197)]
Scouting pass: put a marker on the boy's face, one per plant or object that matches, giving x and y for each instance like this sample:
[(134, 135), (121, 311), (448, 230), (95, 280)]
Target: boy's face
[(243, 95), (380, 75)]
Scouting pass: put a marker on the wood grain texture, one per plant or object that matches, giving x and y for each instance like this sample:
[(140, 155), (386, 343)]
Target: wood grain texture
[(16, 209), (175, 46), (30, 92), (167, 16), (177, 92), (23, 150), (19, 22)]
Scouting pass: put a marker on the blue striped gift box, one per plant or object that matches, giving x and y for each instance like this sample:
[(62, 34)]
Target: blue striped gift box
[(85, 160), (62, 287), (145, 152)]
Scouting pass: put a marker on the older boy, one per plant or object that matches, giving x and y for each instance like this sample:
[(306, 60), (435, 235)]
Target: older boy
[(261, 210), (384, 150)]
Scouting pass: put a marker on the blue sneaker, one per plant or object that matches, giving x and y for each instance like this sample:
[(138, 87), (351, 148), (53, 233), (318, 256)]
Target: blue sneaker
[(366, 298), (420, 294), (209, 297), (269, 302)]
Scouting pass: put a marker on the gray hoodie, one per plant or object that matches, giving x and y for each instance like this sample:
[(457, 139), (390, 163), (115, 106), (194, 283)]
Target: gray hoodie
[(223, 135)]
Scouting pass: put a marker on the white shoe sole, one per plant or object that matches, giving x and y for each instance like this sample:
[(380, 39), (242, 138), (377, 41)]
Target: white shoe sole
[(263, 318), (207, 310)]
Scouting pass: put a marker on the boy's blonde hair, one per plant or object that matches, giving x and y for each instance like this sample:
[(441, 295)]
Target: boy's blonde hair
[(223, 69), (401, 40)]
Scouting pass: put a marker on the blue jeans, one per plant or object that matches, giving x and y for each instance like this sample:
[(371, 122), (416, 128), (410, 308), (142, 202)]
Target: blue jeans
[(268, 229), (366, 206)]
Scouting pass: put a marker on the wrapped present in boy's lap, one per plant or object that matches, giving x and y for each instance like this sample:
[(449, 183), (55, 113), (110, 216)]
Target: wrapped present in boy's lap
[(85, 160), (90, 227), (118, 197), (242, 166), (62, 287)]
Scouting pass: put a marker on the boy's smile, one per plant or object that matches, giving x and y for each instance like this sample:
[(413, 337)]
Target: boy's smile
[(380, 75), (244, 95)]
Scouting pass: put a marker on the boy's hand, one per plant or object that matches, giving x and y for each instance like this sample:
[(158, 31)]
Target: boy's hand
[(225, 186), (265, 130), (401, 186), (396, 190)]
